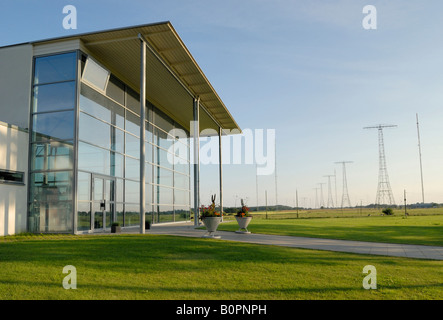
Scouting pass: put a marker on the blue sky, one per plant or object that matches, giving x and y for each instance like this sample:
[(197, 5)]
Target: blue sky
[(307, 69)]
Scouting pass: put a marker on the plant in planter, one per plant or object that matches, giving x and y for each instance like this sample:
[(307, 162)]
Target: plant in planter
[(243, 218), (210, 218), (115, 228)]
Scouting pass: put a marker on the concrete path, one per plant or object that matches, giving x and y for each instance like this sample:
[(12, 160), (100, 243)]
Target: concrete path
[(373, 248)]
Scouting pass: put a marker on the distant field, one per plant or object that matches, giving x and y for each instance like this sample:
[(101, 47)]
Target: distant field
[(421, 226), (341, 213)]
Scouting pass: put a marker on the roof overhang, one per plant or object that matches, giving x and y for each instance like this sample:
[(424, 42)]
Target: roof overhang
[(177, 77)]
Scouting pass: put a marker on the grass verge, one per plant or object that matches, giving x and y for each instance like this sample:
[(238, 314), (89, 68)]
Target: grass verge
[(177, 268), (421, 230)]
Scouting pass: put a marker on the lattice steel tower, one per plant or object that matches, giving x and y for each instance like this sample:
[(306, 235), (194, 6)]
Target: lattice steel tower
[(330, 201), (322, 202), (384, 191), (345, 196)]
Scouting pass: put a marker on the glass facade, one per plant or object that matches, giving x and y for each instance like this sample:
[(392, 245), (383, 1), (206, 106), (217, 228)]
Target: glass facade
[(109, 145), (51, 189), (101, 131)]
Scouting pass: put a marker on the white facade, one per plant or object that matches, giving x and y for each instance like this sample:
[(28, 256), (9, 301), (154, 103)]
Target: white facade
[(14, 157)]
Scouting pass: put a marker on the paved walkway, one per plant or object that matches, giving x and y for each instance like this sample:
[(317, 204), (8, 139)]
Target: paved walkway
[(373, 248)]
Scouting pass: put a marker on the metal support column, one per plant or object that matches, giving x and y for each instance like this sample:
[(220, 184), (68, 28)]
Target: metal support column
[(142, 131), (220, 170), (196, 161)]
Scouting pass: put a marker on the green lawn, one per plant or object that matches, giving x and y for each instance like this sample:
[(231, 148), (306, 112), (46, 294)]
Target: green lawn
[(419, 229), (173, 268)]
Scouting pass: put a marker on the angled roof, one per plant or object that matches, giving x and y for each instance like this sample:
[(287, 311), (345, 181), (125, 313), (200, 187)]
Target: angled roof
[(119, 49)]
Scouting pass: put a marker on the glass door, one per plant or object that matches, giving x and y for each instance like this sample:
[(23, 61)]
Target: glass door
[(103, 202)]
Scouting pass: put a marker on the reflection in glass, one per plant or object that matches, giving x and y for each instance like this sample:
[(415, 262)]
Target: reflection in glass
[(132, 192), (83, 216), (52, 97), (132, 123), (56, 125), (132, 216), (164, 195), (119, 214), (98, 215), (181, 181), (132, 146), (116, 90), (94, 131), (84, 186), (55, 68), (132, 168), (161, 120), (117, 140), (163, 176), (162, 139), (163, 158), (165, 213), (181, 197), (93, 159), (98, 189), (116, 165), (132, 100), (51, 186), (119, 190), (52, 216), (181, 213), (52, 156), (101, 107)]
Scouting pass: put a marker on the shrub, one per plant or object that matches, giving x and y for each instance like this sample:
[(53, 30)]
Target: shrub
[(388, 211)]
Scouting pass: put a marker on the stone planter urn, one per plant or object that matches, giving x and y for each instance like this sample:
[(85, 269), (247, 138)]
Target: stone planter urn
[(211, 224), (243, 223)]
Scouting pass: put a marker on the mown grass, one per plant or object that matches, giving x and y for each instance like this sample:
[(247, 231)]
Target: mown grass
[(423, 230), (175, 268)]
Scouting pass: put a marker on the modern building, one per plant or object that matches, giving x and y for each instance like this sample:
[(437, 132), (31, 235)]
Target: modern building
[(103, 127)]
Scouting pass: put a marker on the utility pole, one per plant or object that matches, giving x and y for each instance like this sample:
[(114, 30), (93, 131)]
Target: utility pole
[(275, 161), (406, 214), (316, 197), (421, 168), (296, 201), (330, 201), (256, 185), (384, 191), (266, 202), (345, 196), (322, 203), (335, 182)]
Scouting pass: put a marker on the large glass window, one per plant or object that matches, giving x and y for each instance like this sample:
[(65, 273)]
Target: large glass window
[(55, 68), (52, 148), (54, 125), (109, 144), (53, 155), (56, 96), (99, 106)]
